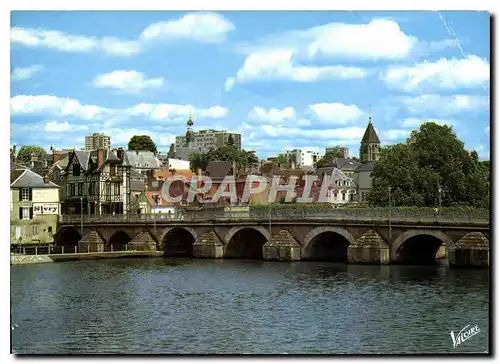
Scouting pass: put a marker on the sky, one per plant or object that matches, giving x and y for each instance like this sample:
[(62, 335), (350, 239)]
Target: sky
[(283, 80)]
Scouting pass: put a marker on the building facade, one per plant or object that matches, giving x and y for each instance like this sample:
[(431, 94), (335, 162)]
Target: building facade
[(204, 140), (97, 141), (343, 150), (34, 207), (97, 182)]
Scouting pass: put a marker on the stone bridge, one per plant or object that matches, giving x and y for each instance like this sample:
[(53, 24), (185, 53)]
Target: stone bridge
[(352, 240)]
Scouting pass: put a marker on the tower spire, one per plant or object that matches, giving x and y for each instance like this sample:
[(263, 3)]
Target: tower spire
[(369, 113)]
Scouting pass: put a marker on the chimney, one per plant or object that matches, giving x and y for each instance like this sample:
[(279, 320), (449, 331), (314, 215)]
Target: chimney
[(100, 157), (46, 179)]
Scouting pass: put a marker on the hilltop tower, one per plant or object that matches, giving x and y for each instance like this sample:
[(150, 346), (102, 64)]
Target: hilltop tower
[(189, 132), (369, 150)]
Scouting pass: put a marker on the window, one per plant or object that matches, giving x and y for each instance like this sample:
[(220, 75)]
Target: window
[(25, 193), (80, 189), (35, 229), (343, 196), (76, 169), (112, 170), (71, 189), (50, 229), (25, 213)]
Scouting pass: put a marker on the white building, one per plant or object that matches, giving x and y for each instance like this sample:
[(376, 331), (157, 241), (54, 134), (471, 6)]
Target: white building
[(177, 164), (97, 141), (204, 140), (303, 158)]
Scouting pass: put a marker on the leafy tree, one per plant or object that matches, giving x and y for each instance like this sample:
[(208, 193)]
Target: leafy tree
[(433, 159), (329, 157), (142, 142), (230, 140), (24, 154), (227, 153), (171, 153)]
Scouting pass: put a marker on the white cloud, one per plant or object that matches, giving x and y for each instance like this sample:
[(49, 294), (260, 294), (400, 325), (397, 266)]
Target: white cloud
[(201, 27), (394, 134), (65, 107), (416, 122), (55, 106), (273, 114), (127, 81), (336, 113), (278, 65), (161, 112), (445, 105), (487, 130), (445, 73), (483, 152), (63, 127), (379, 39), (19, 74), (64, 42)]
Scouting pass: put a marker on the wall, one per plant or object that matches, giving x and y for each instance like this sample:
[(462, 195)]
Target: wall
[(364, 182), (178, 164)]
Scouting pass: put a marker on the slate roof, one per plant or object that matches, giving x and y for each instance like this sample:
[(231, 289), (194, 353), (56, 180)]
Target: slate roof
[(141, 159), (366, 167), (134, 173), (83, 157), (137, 186), (29, 179), (370, 134), (218, 169), (345, 164)]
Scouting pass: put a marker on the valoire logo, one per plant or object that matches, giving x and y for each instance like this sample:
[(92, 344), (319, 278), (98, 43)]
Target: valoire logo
[(465, 334)]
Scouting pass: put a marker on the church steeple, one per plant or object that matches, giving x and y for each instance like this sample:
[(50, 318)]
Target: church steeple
[(189, 132), (369, 150)]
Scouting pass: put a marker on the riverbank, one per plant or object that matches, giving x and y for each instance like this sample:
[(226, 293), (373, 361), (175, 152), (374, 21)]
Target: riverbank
[(19, 259)]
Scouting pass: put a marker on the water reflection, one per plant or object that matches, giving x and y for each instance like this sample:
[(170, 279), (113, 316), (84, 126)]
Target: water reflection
[(230, 306)]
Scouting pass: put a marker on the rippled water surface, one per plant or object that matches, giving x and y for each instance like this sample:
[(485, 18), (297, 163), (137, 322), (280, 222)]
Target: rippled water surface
[(207, 306)]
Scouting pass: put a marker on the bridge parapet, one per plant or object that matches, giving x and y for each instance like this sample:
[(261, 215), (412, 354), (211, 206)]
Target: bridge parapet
[(361, 215)]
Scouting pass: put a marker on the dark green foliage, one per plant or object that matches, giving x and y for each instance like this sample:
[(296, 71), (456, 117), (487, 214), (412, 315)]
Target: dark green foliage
[(142, 142), (228, 153), (24, 154), (432, 158)]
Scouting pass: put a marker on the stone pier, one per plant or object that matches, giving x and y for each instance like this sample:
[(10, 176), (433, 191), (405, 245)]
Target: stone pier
[(91, 242), (142, 242), (370, 248), (208, 245), (473, 250), (282, 247)]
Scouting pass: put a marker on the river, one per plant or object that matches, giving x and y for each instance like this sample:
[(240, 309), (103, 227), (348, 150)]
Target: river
[(183, 306)]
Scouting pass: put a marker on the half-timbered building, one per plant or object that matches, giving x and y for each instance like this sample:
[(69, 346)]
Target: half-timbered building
[(97, 182)]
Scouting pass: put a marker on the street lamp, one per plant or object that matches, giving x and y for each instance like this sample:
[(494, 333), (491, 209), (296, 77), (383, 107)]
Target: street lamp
[(81, 216), (390, 217), (440, 190)]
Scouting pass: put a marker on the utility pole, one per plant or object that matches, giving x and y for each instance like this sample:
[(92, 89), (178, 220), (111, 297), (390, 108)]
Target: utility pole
[(390, 214)]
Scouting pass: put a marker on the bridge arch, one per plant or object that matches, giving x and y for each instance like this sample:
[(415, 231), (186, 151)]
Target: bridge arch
[(178, 241), (419, 246), (327, 243), (246, 242), (118, 240), (68, 237)]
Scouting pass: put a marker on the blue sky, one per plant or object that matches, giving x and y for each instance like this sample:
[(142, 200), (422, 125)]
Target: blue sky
[(282, 79)]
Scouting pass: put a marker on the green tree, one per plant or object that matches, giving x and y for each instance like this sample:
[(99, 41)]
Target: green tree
[(171, 153), (142, 142), (433, 159), (24, 154), (329, 157), (227, 153), (230, 140)]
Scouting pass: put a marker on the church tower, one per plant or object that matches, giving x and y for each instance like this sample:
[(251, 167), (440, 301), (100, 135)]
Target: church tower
[(189, 133), (369, 150)]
